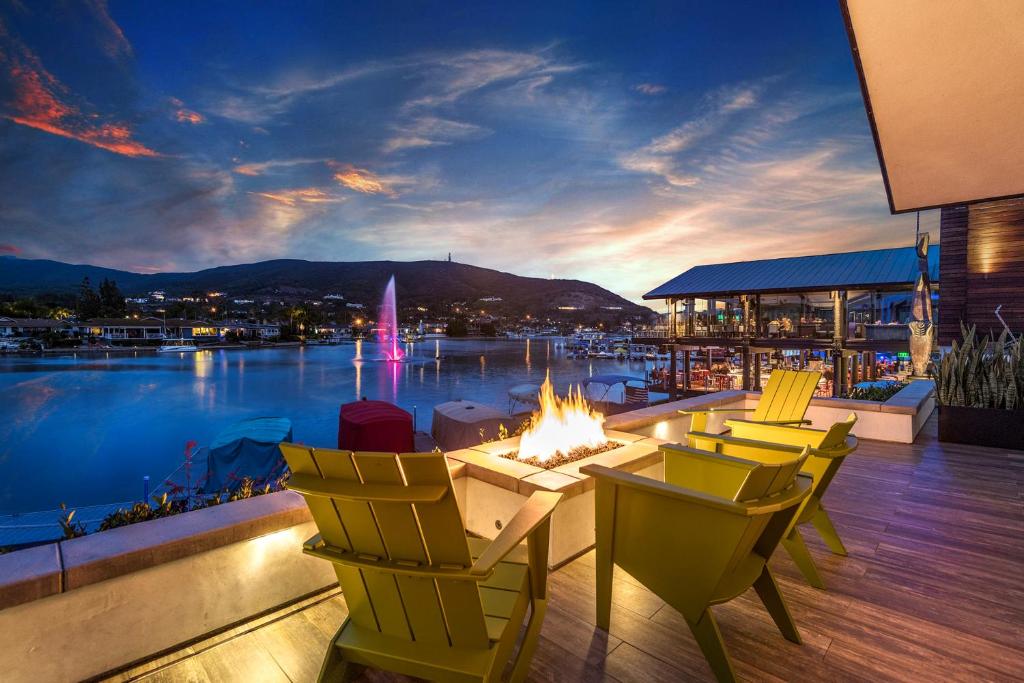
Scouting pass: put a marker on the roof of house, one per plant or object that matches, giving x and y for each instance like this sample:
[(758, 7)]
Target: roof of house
[(146, 322), (32, 322), (874, 269)]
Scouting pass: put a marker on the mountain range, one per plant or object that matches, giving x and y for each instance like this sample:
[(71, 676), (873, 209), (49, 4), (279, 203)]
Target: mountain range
[(419, 283)]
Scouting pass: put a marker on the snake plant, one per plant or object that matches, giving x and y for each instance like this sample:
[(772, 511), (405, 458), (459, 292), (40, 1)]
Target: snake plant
[(983, 373)]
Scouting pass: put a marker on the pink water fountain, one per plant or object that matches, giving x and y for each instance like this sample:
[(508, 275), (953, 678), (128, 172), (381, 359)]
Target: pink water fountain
[(387, 331)]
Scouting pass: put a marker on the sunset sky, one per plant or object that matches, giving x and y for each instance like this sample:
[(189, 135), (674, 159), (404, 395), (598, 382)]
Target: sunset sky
[(618, 144)]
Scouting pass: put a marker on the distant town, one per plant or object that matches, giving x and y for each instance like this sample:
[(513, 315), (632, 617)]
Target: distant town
[(102, 318)]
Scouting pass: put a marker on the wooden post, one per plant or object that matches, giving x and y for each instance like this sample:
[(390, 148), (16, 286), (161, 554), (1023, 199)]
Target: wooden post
[(672, 317), (757, 371), (745, 350), (854, 368), (673, 392), (686, 371), (691, 310), (757, 316)]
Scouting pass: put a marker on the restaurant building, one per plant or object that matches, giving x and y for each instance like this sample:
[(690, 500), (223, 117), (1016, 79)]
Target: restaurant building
[(844, 309)]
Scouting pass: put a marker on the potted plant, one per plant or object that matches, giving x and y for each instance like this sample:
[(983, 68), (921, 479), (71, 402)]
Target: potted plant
[(979, 386)]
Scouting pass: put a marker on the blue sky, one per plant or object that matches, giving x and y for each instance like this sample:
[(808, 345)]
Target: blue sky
[(619, 143)]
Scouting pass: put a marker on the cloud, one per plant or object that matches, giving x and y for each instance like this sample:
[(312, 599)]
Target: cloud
[(9, 249), (659, 156), (261, 167), (650, 88), (111, 37), (183, 114), (367, 182), (42, 102), (452, 77), (305, 195), (431, 131)]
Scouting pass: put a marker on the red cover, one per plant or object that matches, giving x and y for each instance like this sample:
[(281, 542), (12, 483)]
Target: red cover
[(375, 426)]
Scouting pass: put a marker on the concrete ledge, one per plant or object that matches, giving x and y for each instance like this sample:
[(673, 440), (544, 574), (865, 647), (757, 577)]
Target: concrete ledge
[(113, 553), (644, 417), (899, 419), (29, 574)]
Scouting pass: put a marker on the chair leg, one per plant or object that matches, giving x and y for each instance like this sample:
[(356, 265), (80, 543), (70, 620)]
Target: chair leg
[(823, 524), (769, 593), (605, 567), (525, 656), (709, 638), (335, 669), (794, 543)]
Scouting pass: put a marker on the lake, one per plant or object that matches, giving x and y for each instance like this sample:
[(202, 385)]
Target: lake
[(84, 429)]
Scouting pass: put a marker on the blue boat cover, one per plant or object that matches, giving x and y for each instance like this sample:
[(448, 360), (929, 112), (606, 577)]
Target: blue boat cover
[(247, 449)]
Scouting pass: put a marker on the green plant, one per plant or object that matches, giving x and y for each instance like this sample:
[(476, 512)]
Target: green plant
[(982, 373), (503, 432), (68, 525), (876, 393), (142, 512)]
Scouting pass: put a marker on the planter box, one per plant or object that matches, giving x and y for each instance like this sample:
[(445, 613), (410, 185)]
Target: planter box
[(982, 427)]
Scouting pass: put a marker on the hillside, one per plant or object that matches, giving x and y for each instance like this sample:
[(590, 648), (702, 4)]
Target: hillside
[(420, 283)]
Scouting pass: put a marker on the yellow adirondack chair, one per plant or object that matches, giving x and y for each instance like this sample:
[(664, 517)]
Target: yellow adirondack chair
[(829, 450), (423, 599), (701, 537), (784, 401)]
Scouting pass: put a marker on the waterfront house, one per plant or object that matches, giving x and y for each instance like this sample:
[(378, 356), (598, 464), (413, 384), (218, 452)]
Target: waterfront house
[(253, 331), (120, 330), (29, 327)]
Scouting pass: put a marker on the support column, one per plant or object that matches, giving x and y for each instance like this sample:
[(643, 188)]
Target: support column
[(673, 315), (686, 371), (757, 316), (854, 368), (757, 372), (673, 391), (691, 317), (746, 367)]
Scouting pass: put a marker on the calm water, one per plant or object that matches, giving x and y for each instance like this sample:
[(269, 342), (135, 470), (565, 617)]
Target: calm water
[(86, 429)]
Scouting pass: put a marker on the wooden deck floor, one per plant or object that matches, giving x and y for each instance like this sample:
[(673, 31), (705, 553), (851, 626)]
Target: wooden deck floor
[(933, 589)]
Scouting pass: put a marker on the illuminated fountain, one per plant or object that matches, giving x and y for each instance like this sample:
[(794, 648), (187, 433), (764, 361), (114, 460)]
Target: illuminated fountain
[(387, 332)]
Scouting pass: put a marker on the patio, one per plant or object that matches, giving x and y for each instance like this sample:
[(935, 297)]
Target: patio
[(932, 589)]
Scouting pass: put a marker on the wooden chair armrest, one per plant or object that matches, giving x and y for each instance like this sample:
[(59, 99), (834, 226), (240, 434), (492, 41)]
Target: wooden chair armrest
[(778, 423), (620, 478), (727, 439), (534, 513), (716, 410), (724, 439)]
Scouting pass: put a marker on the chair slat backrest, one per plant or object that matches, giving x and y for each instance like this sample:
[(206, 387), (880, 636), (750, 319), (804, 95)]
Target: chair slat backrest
[(407, 524), (786, 396), (769, 478)]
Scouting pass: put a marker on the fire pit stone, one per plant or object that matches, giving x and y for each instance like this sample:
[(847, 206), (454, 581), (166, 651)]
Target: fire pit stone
[(497, 486)]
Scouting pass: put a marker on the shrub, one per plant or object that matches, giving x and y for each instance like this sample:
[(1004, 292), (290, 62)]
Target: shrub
[(876, 393), (981, 374)]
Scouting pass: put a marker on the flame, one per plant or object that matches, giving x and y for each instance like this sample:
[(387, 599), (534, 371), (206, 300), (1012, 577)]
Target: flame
[(561, 425)]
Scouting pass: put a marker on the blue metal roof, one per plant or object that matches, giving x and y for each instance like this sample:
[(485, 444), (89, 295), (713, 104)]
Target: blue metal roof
[(881, 268)]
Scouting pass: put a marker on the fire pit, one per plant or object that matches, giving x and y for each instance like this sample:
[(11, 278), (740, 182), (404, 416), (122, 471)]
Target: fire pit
[(498, 479)]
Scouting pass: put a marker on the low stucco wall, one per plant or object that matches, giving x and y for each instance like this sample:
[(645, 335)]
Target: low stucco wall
[(92, 605), (899, 419)]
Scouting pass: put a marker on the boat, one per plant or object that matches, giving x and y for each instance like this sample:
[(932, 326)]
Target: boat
[(177, 346), (634, 393)]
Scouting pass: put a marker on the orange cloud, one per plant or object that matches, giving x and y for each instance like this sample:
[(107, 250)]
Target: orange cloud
[(361, 180), (306, 195), (189, 116), (9, 249), (40, 101)]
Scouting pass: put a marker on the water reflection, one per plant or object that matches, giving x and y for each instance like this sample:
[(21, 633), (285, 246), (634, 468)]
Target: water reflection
[(85, 429)]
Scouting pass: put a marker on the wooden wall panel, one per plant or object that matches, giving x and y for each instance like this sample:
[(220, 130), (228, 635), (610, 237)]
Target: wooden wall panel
[(981, 267)]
